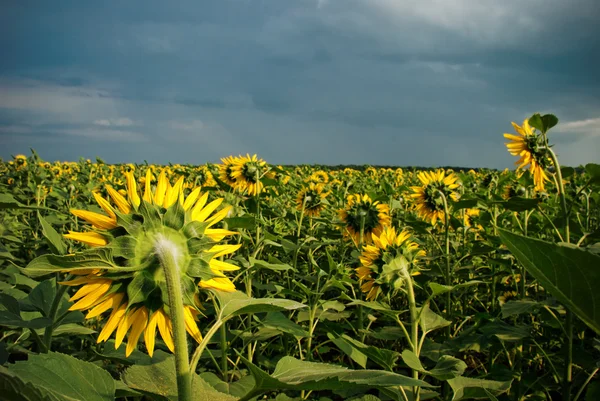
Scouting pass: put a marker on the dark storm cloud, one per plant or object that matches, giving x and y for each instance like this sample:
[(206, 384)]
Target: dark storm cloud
[(328, 81)]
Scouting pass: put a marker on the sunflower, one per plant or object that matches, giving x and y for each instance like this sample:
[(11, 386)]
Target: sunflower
[(129, 239), (530, 149), (204, 177), (247, 172), (226, 170), (311, 199), (363, 212), (20, 162), (374, 272), (429, 203), (319, 177), (471, 219)]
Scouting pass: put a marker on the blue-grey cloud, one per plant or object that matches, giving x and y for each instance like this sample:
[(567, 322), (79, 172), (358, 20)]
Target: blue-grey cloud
[(306, 81)]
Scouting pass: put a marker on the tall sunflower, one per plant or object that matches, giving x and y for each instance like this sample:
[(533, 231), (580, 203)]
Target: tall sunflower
[(247, 172), (429, 203), (529, 147), (226, 170), (20, 162), (122, 271), (363, 212), (374, 273), (311, 199)]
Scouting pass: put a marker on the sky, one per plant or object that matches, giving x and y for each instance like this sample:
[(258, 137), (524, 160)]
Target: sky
[(379, 82)]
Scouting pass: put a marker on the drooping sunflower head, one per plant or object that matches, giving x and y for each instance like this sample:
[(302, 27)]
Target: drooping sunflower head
[(226, 170), (381, 263), (311, 199), (20, 162), (471, 219), (531, 150), (247, 172), (204, 177), (428, 197), (319, 177), (363, 214), (124, 272)]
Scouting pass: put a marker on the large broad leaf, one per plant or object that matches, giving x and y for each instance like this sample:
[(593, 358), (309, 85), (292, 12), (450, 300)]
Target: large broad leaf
[(359, 351), (160, 379), (278, 321), (54, 239), (567, 272), (237, 388), (7, 201), (447, 367), (476, 389), (237, 303), (291, 373), (13, 388), (60, 377)]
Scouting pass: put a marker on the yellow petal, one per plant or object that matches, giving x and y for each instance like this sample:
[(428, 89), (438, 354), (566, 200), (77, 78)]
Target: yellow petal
[(150, 333), (218, 216), (222, 266), (200, 204), (111, 302), (190, 324), (165, 329), (90, 238), (223, 249), (119, 200), (148, 187), (93, 297), (172, 193), (113, 320), (138, 324), (201, 215), (161, 188), (134, 198), (96, 219), (217, 234), (105, 205), (218, 283), (123, 327), (189, 201)]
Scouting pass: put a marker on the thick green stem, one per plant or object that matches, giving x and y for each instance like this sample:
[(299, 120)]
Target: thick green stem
[(447, 272), (224, 353), (168, 253), (414, 326), (53, 311)]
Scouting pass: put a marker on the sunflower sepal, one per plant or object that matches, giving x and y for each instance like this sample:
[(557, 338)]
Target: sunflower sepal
[(140, 288), (199, 267), (175, 216), (124, 246)]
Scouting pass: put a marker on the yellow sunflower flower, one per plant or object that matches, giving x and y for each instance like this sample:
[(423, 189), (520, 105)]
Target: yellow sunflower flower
[(311, 199), (373, 272), (247, 172), (129, 280), (20, 162), (362, 212), (526, 146), (428, 200), (226, 170)]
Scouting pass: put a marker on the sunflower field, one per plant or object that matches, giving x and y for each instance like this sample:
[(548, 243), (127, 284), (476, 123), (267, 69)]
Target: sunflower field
[(248, 281)]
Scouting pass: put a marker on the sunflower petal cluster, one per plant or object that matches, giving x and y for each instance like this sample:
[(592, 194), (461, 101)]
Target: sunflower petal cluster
[(122, 273), (427, 197), (244, 173), (362, 214), (528, 146), (376, 270), (311, 199)]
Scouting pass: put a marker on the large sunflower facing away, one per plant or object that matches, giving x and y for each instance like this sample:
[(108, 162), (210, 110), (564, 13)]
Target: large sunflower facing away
[(372, 272), (247, 172), (429, 203), (362, 211), (311, 199), (129, 240), (528, 147)]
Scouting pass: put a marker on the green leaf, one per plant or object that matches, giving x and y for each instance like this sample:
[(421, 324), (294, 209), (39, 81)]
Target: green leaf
[(13, 388), (594, 172), (382, 357), (237, 303), (246, 222), (536, 122), (53, 238), (62, 377), (279, 321), (446, 368), (513, 308), (140, 287), (567, 272), (238, 388), (519, 204), (567, 172), (430, 321), (476, 389), (98, 258), (291, 373), (160, 379), (438, 289), (7, 201), (549, 121), (273, 264), (42, 296)]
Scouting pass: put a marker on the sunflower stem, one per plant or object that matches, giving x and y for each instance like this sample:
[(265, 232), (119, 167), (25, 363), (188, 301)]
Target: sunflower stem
[(447, 272), (414, 327), (53, 312), (167, 254)]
